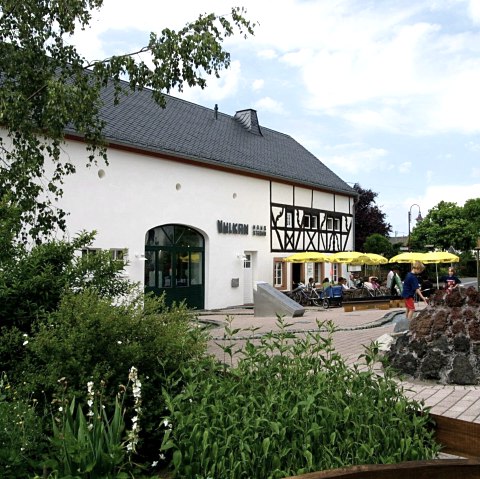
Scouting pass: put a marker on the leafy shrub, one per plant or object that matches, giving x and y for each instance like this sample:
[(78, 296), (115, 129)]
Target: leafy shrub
[(289, 407), (90, 339), (20, 433), (32, 282)]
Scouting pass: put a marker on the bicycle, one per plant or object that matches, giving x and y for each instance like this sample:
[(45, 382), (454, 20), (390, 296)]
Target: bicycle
[(306, 296)]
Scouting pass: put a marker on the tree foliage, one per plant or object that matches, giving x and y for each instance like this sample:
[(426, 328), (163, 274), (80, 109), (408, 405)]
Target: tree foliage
[(449, 225), (369, 218), (379, 244), (471, 212), (47, 85)]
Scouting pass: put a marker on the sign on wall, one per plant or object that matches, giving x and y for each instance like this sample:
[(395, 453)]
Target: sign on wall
[(226, 227)]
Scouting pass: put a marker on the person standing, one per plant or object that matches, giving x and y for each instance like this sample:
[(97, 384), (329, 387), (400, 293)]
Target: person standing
[(411, 286), (394, 283), (451, 280), (390, 276)]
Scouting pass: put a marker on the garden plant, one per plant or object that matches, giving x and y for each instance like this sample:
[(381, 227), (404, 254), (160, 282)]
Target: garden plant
[(290, 406)]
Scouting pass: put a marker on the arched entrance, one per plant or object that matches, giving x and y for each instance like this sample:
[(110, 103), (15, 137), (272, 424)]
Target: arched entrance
[(175, 264)]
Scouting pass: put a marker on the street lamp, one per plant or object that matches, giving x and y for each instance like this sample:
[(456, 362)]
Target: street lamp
[(418, 218)]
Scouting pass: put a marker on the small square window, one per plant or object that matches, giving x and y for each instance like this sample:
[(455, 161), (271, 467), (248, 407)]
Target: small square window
[(314, 222), (119, 254), (306, 221)]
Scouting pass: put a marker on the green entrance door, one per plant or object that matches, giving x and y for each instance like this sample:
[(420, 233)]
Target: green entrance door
[(175, 264)]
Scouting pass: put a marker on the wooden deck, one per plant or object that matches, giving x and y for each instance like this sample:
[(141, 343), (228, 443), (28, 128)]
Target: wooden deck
[(379, 302)]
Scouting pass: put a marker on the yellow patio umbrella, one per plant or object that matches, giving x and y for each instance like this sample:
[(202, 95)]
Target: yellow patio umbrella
[(439, 257), (407, 257), (349, 257), (307, 257), (375, 259)]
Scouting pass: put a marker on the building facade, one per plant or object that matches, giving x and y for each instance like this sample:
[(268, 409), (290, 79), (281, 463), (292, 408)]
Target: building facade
[(202, 205)]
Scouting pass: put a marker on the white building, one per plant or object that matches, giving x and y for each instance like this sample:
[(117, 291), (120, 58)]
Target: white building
[(205, 204)]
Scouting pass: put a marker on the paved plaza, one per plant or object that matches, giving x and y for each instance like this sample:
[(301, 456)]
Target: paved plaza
[(354, 329)]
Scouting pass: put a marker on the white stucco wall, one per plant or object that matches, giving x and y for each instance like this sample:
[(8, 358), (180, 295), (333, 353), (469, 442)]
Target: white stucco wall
[(138, 192)]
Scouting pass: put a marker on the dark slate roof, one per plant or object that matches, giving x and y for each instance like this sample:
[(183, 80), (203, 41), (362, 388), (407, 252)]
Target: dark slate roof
[(191, 131)]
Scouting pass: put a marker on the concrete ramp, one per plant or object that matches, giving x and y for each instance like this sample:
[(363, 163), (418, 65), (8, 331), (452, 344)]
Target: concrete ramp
[(269, 302)]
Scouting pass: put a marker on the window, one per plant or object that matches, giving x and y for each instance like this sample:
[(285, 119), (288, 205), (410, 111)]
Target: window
[(87, 251), (119, 254), (329, 223), (279, 274), (314, 222), (174, 258), (318, 274), (306, 221), (335, 272), (289, 219), (337, 224)]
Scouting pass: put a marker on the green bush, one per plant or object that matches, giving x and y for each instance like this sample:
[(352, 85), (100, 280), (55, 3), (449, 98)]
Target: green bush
[(289, 407), (32, 282), (20, 433), (90, 339)]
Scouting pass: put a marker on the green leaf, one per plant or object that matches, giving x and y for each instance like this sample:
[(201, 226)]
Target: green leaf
[(266, 445), (177, 459)]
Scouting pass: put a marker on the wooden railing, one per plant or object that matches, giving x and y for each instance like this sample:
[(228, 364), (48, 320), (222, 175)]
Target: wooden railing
[(438, 469), (458, 438)]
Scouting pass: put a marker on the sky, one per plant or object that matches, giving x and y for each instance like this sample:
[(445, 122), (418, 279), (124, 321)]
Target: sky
[(384, 93)]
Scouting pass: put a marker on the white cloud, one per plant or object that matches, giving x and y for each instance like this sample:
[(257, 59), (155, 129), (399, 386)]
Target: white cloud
[(269, 104), (405, 167), (267, 54), (456, 193), (217, 88), (474, 10), (458, 106), (380, 66), (353, 161), (473, 146), (397, 209), (381, 118), (257, 85)]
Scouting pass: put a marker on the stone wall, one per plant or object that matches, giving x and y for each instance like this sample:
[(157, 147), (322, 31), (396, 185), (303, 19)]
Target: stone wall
[(443, 342)]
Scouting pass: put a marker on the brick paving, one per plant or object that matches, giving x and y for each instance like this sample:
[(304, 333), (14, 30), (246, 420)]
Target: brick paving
[(354, 329)]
